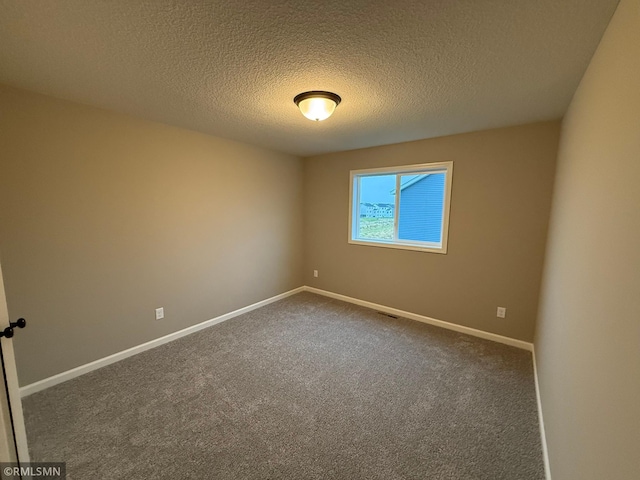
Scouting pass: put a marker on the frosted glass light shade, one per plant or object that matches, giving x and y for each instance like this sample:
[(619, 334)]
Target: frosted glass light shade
[(317, 105), (317, 108)]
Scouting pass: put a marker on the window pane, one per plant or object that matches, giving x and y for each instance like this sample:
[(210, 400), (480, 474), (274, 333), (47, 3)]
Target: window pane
[(377, 205), (421, 207)]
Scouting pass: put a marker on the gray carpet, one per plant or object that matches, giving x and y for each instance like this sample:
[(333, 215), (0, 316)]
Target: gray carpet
[(305, 388)]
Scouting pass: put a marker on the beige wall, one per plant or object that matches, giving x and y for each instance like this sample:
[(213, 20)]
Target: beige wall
[(501, 198), (104, 217), (588, 335)]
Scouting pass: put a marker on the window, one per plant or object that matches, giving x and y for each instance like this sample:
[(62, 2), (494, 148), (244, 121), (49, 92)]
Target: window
[(401, 207)]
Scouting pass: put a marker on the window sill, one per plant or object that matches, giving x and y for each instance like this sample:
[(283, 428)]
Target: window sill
[(401, 246)]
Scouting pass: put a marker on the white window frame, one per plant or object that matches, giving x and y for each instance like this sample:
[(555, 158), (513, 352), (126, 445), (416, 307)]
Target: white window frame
[(354, 206)]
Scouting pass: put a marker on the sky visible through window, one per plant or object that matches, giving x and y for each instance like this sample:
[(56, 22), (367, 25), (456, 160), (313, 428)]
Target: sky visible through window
[(380, 188)]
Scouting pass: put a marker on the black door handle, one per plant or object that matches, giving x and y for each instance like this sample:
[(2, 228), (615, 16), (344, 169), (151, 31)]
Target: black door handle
[(8, 332)]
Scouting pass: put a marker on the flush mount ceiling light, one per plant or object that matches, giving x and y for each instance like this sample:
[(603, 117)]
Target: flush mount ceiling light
[(317, 105)]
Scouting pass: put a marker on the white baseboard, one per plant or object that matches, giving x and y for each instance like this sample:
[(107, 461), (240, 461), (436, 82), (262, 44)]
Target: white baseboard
[(543, 435), (431, 321), (116, 357)]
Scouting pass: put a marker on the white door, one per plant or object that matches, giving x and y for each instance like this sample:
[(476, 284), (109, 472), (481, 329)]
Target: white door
[(13, 436)]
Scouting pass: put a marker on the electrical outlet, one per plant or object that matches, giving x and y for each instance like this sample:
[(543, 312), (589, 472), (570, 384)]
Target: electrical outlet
[(502, 312), (159, 313), (315, 273)]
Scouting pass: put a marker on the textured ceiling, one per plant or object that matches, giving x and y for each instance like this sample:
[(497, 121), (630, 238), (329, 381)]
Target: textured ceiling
[(405, 69)]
